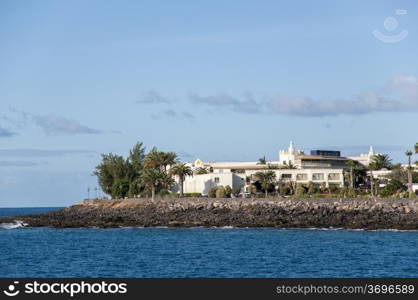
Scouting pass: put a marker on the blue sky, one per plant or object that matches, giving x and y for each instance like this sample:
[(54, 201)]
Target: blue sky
[(218, 80)]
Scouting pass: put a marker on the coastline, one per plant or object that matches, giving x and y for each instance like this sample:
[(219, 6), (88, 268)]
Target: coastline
[(357, 213)]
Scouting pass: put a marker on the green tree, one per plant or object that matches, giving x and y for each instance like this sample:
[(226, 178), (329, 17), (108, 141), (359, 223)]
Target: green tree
[(181, 171), (378, 162), (111, 168), (151, 178), (266, 178), (381, 161), (136, 159), (120, 188)]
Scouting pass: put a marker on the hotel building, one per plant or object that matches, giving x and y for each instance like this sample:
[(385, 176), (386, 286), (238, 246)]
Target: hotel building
[(320, 167)]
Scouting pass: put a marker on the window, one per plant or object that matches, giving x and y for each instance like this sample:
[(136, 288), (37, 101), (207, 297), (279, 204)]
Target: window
[(286, 176), (334, 176), (302, 177), (317, 176), (216, 179)]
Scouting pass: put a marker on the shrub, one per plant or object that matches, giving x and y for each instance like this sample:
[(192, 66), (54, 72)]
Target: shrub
[(163, 193), (212, 192), (236, 191), (285, 190), (351, 193), (228, 191), (300, 190), (192, 194), (343, 192), (253, 189), (334, 188), (312, 188), (220, 192)]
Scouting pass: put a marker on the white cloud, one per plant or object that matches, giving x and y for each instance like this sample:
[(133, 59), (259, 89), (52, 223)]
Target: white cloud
[(405, 88)]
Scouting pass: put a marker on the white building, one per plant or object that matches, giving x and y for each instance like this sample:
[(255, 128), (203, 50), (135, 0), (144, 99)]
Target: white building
[(318, 169), (365, 158)]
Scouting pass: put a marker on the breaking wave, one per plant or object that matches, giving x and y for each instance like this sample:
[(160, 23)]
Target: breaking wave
[(14, 225)]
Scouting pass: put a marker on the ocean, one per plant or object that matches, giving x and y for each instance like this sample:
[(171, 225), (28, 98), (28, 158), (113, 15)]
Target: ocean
[(203, 252)]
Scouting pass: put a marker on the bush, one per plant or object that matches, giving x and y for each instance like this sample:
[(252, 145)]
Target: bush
[(163, 193), (253, 189), (212, 192), (300, 190), (351, 193), (228, 191), (343, 192), (120, 188), (192, 195), (285, 190), (394, 186), (334, 188), (236, 191), (220, 192), (312, 188)]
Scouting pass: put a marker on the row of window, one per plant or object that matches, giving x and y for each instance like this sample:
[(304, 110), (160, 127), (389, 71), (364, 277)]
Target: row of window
[(304, 176), (315, 176)]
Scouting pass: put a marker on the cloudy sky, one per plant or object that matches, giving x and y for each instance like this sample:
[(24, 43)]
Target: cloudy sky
[(216, 80)]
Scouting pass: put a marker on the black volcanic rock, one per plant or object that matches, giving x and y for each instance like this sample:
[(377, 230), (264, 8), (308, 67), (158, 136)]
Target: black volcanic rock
[(364, 213)]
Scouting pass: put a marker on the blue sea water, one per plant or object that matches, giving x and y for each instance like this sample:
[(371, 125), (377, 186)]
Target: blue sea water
[(19, 211), (206, 252)]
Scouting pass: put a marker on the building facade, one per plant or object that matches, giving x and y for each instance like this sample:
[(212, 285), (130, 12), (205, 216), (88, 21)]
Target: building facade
[(321, 167)]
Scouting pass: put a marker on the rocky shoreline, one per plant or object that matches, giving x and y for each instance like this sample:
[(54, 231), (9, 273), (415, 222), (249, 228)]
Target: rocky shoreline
[(364, 213)]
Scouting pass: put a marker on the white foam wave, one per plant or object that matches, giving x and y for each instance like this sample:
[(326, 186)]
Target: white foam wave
[(14, 225)]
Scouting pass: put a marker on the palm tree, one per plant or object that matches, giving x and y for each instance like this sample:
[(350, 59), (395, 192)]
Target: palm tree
[(409, 168), (201, 171), (153, 159), (352, 164), (262, 161), (382, 161), (181, 170), (266, 178), (151, 177), (168, 159), (288, 165)]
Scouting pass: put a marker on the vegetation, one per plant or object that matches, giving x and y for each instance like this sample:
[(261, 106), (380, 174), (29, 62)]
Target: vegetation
[(288, 166), (201, 171), (220, 192), (152, 174), (181, 171), (139, 173), (228, 191), (266, 179), (262, 161)]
